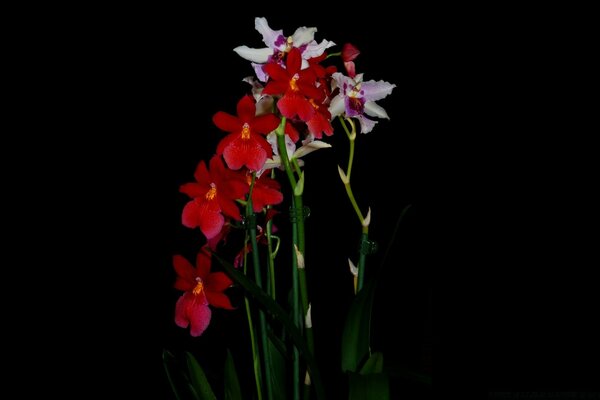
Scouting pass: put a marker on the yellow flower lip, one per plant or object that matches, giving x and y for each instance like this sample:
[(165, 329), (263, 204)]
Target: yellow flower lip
[(199, 287), (212, 192), (246, 131)]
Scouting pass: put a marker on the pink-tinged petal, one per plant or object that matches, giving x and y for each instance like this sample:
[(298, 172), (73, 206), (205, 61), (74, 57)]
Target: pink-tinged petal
[(375, 110), (260, 56), (268, 34), (315, 49), (203, 262), (336, 107), (373, 91), (265, 123), (217, 282), (293, 104), (349, 52), (366, 124), (246, 152), (211, 223), (219, 300), (230, 209), (192, 310), (246, 109), (184, 269), (201, 174), (343, 82), (181, 317), (227, 122), (193, 189), (293, 62), (276, 72), (258, 70), (350, 68), (221, 237)]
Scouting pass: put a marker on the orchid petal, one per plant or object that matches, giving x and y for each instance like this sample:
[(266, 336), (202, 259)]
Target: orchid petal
[(260, 56), (366, 124), (192, 310), (373, 91), (268, 34), (260, 73), (303, 35), (336, 107), (217, 282), (203, 262), (309, 148), (375, 110), (315, 49)]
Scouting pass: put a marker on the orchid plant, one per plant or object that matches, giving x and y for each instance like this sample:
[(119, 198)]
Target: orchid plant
[(294, 100)]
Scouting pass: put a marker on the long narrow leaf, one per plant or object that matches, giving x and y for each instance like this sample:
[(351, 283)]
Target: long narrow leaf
[(198, 379), (275, 309), (232, 383), (174, 374), (369, 387), (356, 335)]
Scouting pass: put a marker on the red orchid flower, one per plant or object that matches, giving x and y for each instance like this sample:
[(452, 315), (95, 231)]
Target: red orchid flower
[(243, 146), (297, 87), (202, 288), (265, 192), (213, 194)]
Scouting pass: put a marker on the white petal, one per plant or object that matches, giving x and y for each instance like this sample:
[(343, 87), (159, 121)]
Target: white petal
[(315, 49), (336, 107), (268, 34), (375, 110), (310, 147), (366, 124), (303, 35), (340, 79), (374, 91), (260, 56)]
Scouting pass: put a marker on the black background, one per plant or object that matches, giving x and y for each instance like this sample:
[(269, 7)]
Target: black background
[(475, 144)]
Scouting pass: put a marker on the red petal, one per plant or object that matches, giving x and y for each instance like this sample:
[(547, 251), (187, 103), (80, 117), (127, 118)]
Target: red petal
[(193, 190), (184, 270), (203, 263), (211, 223), (192, 310), (349, 52), (226, 141), (277, 73), (350, 68), (230, 208), (189, 216), (246, 109), (276, 87), (183, 285), (292, 104), (265, 123), (201, 174), (291, 132), (265, 196), (219, 300), (227, 122), (319, 124), (248, 152), (217, 282), (293, 62), (311, 91), (181, 318)]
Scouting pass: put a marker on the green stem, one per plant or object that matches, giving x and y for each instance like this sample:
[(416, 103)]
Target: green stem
[(271, 258), (362, 260), (255, 358), (295, 310), (257, 276)]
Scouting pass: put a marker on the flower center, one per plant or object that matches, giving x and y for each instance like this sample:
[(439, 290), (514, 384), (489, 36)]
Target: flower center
[(356, 104), (212, 192), (199, 287), (293, 84), (355, 90), (315, 105), (246, 131), (288, 44)]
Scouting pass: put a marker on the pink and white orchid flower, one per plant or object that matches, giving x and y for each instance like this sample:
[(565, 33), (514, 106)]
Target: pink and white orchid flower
[(278, 45), (357, 98)]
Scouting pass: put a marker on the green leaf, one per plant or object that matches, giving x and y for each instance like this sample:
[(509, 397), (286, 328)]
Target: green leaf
[(356, 335), (232, 383), (279, 371), (374, 364), (279, 313), (197, 379), (174, 374), (369, 387)]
